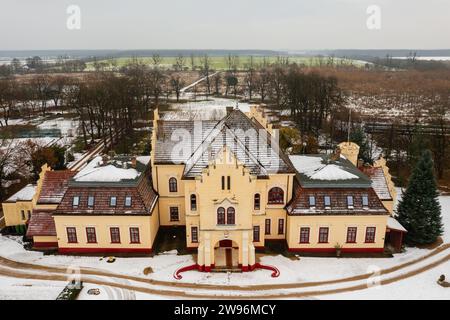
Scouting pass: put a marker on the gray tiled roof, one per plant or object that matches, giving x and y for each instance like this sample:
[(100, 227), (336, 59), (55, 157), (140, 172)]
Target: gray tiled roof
[(228, 131), (319, 171)]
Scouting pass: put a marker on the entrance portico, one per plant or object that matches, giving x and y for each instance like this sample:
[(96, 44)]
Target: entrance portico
[(225, 249)]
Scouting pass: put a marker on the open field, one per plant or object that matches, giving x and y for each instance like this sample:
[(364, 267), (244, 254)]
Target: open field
[(220, 62)]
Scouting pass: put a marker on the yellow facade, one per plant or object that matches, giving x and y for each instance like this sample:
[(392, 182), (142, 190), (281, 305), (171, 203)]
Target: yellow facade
[(338, 226), (18, 212), (148, 229)]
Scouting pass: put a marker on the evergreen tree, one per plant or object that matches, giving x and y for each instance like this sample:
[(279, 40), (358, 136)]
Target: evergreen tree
[(419, 210)]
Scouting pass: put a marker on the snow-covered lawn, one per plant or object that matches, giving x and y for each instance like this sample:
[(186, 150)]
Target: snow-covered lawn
[(24, 289), (422, 286)]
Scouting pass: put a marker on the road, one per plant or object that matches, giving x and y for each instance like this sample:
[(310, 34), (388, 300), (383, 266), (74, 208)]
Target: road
[(11, 268)]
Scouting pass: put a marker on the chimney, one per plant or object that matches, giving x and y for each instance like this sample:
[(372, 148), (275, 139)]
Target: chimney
[(229, 110), (105, 159), (361, 163), (133, 162), (336, 155)]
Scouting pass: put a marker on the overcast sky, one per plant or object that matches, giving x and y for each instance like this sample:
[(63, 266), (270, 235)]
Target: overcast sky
[(224, 24)]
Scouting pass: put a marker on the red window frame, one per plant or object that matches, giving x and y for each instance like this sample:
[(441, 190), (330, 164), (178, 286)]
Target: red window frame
[(323, 234), (231, 216), (267, 226), (370, 234), (134, 235), (256, 234), (174, 214), (276, 196), (173, 185), (304, 234), (71, 235), (351, 234), (221, 216), (91, 236), (194, 234), (280, 226), (115, 234)]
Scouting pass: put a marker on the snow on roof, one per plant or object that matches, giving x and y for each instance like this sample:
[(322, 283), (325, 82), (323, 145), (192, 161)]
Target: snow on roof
[(143, 159), (25, 194), (315, 168), (96, 172), (392, 223)]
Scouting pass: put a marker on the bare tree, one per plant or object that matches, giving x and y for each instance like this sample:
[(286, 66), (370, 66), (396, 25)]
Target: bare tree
[(205, 65)]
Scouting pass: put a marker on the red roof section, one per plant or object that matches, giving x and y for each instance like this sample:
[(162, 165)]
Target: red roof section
[(41, 224), (54, 186), (143, 199), (338, 196)]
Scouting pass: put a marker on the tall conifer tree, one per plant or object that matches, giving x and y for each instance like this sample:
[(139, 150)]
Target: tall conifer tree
[(419, 210)]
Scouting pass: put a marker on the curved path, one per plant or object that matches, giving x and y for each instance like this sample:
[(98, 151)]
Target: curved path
[(17, 269)]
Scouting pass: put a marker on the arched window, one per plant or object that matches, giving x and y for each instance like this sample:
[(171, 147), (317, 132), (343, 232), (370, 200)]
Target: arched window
[(193, 202), (173, 185), (276, 196), (231, 216), (257, 202), (221, 215)]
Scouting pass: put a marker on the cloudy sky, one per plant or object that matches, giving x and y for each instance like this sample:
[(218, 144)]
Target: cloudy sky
[(224, 24)]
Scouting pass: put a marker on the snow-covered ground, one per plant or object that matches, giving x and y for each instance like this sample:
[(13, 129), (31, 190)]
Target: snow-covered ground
[(24, 289), (211, 109), (302, 269)]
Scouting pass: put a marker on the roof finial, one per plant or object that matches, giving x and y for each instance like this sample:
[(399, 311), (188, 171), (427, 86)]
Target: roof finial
[(349, 124)]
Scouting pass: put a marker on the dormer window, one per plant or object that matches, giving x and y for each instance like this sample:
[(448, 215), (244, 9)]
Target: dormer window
[(113, 201), (350, 202), (365, 201), (327, 202), (128, 201), (91, 201), (312, 201), (76, 201)]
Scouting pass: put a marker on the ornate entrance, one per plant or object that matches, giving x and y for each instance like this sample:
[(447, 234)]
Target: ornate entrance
[(226, 255)]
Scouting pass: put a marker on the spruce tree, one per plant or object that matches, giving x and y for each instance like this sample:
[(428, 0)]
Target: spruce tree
[(419, 210)]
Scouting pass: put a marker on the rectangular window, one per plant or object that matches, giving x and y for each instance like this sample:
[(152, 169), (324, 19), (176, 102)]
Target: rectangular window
[(223, 182), (267, 227), (327, 201), (304, 235), (370, 234), (71, 235), (228, 182), (312, 201), (128, 201), (90, 201), (280, 226), (29, 214), (76, 201), (115, 235), (194, 234), (113, 201), (323, 235), (22, 213), (365, 200), (351, 234), (90, 234), (134, 235), (350, 201), (174, 216), (255, 233)]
